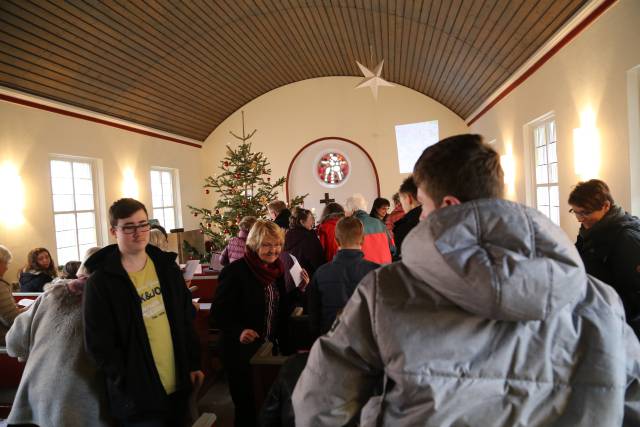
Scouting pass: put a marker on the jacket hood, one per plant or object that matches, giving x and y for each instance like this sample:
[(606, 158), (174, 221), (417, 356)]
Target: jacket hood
[(109, 258), (496, 259)]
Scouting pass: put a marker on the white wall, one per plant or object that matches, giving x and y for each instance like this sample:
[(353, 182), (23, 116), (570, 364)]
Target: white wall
[(289, 117), (589, 72), (28, 136)]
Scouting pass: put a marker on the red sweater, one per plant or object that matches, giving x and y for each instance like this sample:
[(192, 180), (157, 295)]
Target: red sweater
[(327, 236)]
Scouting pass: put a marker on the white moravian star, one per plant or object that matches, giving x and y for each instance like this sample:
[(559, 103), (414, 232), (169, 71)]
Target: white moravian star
[(372, 79)]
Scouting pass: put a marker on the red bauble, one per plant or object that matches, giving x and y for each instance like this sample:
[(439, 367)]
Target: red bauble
[(226, 164), (268, 178), (206, 191), (217, 211), (195, 214), (209, 225)]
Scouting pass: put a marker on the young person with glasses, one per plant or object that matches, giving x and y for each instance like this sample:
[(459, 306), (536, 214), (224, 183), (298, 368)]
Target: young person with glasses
[(139, 324), (609, 243)]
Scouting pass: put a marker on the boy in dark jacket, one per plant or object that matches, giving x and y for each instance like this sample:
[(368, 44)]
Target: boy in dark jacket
[(139, 324), (333, 283)]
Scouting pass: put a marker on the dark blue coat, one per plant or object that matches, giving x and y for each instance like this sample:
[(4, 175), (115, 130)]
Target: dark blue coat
[(332, 286)]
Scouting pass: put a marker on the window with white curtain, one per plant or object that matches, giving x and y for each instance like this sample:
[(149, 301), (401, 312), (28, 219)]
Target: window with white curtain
[(163, 195), (545, 159), (74, 207)]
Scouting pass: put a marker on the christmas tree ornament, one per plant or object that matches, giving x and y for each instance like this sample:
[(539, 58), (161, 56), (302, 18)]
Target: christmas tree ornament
[(206, 191)]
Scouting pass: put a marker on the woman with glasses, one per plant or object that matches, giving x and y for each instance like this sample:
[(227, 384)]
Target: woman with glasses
[(609, 243), (250, 307)]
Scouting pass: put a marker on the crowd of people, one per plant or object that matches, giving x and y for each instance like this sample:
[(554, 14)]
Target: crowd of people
[(453, 306)]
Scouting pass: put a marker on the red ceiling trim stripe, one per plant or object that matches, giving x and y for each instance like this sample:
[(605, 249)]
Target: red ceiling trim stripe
[(56, 110), (562, 43)]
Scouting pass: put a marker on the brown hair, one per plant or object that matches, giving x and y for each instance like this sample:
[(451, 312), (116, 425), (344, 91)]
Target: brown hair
[(260, 230), (298, 216), (591, 195), (32, 262), (277, 206), (124, 208), (349, 231), (461, 166), (247, 222), (331, 209), (408, 186)]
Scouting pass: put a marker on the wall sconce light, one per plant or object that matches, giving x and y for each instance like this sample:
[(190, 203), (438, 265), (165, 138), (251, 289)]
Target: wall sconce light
[(130, 184), (12, 209), (586, 147), (508, 167)]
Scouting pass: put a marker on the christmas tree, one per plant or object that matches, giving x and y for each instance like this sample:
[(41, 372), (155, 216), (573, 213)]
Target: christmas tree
[(244, 187)]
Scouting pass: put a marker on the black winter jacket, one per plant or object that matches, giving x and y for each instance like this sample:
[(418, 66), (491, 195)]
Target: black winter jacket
[(239, 304), (403, 226), (305, 246), (116, 337), (610, 251), (283, 219), (33, 282), (277, 410), (332, 286)]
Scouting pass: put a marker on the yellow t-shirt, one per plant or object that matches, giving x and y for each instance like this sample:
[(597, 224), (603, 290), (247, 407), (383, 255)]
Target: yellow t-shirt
[(156, 322)]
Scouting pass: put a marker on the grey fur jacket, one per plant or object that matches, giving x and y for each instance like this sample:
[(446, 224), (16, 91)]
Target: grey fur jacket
[(488, 320), (60, 386)]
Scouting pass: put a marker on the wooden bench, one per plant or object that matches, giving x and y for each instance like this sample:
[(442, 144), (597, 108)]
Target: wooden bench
[(10, 374), (207, 283)]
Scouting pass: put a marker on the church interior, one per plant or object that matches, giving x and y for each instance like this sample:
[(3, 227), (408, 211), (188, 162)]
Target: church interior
[(151, 100)]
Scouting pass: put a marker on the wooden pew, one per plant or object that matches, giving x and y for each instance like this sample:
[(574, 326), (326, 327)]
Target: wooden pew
[(207, 283), (10, 373)]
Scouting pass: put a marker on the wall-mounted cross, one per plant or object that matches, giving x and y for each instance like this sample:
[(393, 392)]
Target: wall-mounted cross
[(326, 199)]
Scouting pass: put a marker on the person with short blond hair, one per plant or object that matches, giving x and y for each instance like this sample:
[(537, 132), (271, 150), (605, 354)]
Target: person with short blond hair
[(251, 306), (333, 284)]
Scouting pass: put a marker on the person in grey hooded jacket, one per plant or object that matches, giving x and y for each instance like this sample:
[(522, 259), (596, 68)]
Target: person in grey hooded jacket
[(489, 320)]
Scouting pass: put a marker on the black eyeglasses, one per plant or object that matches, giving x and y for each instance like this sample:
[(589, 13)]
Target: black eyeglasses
[(130, 229), (580, 214)]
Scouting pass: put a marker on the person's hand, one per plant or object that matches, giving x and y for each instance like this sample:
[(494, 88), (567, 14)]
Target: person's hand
[(248, 336), (197, 377), (305, 280)]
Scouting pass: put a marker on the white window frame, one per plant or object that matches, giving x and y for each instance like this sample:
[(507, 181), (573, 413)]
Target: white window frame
[(175, 184), (98, 196), (530, 160)]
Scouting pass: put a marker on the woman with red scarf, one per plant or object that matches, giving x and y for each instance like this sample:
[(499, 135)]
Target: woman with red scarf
[(250, 307)]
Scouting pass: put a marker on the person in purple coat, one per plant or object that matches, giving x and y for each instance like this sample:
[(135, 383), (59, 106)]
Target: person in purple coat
[(235, 248)]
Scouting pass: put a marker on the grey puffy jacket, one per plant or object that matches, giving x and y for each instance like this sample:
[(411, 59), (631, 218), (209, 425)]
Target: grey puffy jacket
[(489, 320)]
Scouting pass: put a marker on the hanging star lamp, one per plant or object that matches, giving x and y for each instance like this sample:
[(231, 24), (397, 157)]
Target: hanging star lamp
[(372, 79)]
